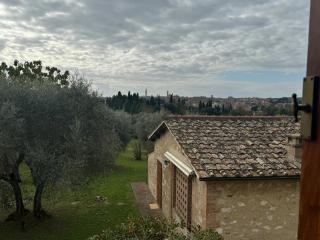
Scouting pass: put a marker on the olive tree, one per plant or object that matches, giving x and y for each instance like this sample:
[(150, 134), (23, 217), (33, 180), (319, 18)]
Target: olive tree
[(12, 153), (144, 124), (24, 131), (46, 124), (55, 124), (33, 72), (122, 124), (74, 135)]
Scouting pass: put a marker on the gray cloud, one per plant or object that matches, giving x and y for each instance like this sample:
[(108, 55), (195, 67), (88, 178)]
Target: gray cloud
[(181, 45), (2, 45)]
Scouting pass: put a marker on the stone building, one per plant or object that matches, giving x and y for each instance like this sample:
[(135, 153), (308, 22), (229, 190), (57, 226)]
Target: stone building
[(238, 175)]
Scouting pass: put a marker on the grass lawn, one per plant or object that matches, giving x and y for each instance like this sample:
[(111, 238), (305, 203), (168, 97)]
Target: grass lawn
[(75, 213)]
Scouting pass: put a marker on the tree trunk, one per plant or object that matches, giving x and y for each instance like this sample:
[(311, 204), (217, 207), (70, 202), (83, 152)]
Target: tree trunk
[(14, 180), (20, 209), (37, 207)]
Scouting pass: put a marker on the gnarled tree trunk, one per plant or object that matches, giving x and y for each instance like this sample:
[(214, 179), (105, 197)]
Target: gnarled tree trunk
[(20, 209), (14, 180), (38, 212)]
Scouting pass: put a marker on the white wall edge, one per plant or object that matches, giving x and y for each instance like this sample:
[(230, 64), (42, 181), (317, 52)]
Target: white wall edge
[(179, 164)]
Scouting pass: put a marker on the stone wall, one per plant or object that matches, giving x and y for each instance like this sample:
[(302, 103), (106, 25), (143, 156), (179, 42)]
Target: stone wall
[(199, 197), (168, 143), (253, 209), (152, 174), (239, 209), (165, 143)]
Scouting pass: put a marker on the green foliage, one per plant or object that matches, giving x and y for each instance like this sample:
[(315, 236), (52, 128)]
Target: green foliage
[(56, 124), (134, 104), (155, 229), (67, 131), (33, 72), (6, 196), (122, 125), (209, 234), (272, 110), (209, 109), (11, 139), (76, 213), (144, 124), (137, 151), (11, 155), (130, 103)]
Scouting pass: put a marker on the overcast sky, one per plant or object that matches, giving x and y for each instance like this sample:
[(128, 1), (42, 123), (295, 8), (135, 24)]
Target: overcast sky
[(189, 47)]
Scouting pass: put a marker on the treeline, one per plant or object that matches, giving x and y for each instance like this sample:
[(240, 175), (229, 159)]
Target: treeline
[(210, 109), (134, 104)]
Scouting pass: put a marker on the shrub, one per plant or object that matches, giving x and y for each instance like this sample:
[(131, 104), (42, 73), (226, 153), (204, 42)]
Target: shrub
[(208, 234), (155, 229), (137, 151)]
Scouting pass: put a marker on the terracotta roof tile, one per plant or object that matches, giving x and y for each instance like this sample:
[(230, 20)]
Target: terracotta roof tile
[(236, 147)]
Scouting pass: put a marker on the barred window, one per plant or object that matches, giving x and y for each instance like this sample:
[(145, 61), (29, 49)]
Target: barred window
[(182, 199)]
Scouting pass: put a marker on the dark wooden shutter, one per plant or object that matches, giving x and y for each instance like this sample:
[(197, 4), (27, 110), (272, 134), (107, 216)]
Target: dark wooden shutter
[(183, 197)]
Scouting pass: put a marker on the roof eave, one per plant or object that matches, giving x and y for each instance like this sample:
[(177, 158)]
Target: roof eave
[(158, 131), (248, 178)]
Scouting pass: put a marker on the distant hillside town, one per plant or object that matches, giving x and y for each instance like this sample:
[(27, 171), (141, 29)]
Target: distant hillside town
[(175, 104)]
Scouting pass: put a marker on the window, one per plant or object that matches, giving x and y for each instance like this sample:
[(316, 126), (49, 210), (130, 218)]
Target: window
[(182, 196)]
